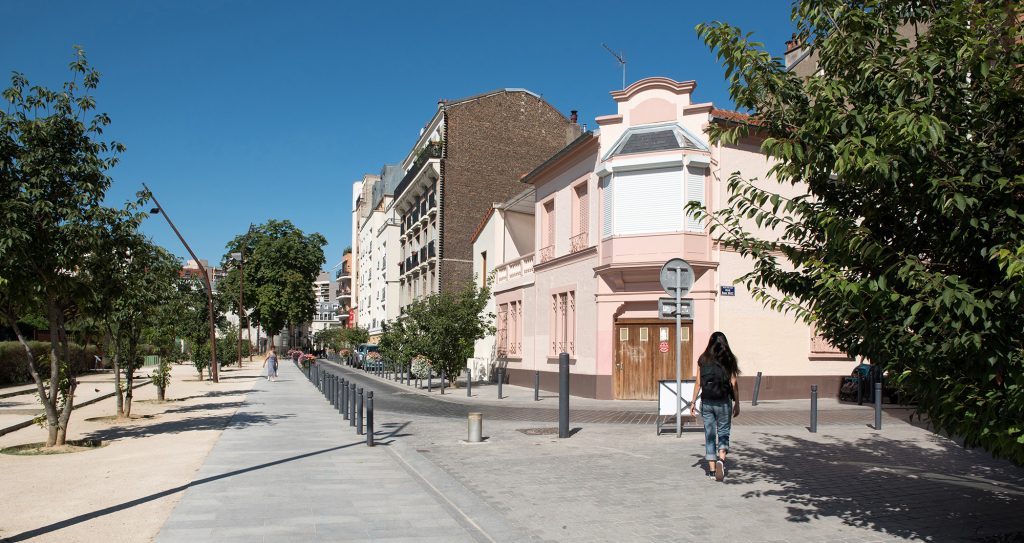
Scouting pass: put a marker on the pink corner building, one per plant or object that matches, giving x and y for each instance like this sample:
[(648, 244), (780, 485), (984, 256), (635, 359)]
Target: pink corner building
[(573, 260)]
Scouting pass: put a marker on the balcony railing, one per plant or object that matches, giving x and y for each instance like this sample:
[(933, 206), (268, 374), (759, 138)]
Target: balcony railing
[(514, 269), (431, 150), (547, 253), (578, 242)]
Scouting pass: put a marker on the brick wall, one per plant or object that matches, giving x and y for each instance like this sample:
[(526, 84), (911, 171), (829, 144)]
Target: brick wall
[(491, 143)]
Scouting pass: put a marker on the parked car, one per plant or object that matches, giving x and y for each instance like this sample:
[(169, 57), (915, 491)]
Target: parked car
[(361, 352)]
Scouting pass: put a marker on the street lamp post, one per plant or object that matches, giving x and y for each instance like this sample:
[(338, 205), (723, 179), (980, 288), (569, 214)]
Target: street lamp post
[(241, 308), (240, 256), (214, 374)]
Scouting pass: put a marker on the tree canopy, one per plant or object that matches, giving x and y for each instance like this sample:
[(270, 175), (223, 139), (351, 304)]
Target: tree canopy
[(442, 327), (908, 245), (281, 263), (53, 178)]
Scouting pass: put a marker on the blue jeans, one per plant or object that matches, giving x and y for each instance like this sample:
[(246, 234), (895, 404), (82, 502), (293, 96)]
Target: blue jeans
[(717, 422)]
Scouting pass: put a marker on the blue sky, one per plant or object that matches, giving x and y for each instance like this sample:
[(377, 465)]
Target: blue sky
[(239, 111)]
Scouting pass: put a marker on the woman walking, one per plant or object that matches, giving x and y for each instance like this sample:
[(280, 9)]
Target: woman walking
[(717, 386), (271, 364)]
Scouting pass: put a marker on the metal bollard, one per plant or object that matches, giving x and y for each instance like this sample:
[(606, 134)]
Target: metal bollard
[(469, 383), (563, 395), (338, 397), (369, 419), (878, 406), (501, 379), (430, 380), (814, 409), (757, 388), (352, 404), (476, 428), (359, 414), (344, 399), (536, 386)]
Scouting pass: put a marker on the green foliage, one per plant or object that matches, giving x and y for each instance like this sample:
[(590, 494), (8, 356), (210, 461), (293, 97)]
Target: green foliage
[(161, 376), (14, 367), (281, 263), (201, 356), (52, 184), (399, 342), (442, 327), (907, 246)]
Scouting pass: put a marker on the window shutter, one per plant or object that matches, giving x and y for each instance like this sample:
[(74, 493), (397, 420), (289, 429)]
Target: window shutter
[(606, 211), (695, 193), (584, 217), (649, 201)]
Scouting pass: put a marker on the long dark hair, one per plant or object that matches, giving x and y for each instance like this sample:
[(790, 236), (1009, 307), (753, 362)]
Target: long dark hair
[(718, 351)]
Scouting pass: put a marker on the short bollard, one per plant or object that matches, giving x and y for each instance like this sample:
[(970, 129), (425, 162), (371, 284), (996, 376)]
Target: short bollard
[(344, 399), (536, 386), (476, 428), (359, 413), (430, 380), (757, 388), (878, 406), (814, 409), (369, 419), (563, 395), (469, 383), (339, 396), (352, 404), (501, 379)]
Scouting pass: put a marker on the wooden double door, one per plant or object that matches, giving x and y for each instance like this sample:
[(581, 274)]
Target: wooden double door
[(645, 352)]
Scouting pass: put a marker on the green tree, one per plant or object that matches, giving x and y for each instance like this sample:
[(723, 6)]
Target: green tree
[(52, 182), (399, 342), (907, 246), (281, 263), (133, 278), (444, 326)]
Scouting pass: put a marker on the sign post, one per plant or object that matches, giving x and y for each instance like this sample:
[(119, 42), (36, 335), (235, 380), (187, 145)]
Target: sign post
[(677, 279)]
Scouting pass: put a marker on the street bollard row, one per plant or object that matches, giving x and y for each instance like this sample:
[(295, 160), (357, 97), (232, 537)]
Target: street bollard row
[(347, 398)]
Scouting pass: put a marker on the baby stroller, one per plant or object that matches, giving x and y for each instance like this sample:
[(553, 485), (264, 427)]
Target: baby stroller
[(859, 377)]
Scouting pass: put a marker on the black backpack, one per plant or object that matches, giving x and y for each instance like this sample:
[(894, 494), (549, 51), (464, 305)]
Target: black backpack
[(715, 385)]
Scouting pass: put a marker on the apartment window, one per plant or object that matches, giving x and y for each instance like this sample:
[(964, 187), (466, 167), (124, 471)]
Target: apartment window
[(547, 251), (580, 218), (509, 338), (563, 323)]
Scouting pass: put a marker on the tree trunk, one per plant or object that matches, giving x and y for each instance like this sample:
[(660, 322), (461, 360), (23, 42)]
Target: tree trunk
[(48, 404), (160, 394), (129, 379), (118, 392)]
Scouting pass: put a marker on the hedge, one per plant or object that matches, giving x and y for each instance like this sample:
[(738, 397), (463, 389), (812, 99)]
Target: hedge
[(14, 368)]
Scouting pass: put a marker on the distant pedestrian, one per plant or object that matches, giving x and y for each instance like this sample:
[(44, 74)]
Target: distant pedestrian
[(271, 364), (717, 386)]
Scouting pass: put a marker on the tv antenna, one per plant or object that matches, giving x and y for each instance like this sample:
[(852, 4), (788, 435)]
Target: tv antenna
[(621, 58)]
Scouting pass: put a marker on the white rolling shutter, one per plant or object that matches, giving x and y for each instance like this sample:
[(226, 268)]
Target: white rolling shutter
[(649, 201), (695, 176), (606, 212)]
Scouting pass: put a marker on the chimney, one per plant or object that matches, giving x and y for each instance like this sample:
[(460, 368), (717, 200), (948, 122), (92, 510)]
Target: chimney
[(794, 48), (573, 130), (572, 116)]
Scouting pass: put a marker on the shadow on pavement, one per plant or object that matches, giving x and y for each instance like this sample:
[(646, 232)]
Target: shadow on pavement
[(907, 490), (145, 499), (192, 424)]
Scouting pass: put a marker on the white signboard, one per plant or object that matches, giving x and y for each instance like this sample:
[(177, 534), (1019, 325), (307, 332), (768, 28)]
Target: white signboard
[(667, 397)]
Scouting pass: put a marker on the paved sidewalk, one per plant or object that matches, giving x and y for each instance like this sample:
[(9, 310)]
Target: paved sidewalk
[(289, 468)]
